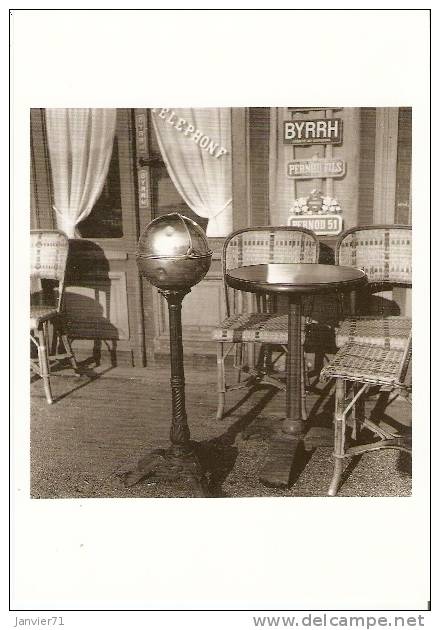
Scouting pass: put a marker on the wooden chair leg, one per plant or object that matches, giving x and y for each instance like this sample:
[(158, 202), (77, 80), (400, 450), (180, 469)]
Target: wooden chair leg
[(251, 356), (304, 385), (238, 360), (340, 307), (339, 447), (70, 355), (221, 382), (47, 342), (358, 412), (44, 363)]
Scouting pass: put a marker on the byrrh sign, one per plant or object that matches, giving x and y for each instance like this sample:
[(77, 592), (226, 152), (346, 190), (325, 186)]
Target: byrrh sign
[(320, 131)]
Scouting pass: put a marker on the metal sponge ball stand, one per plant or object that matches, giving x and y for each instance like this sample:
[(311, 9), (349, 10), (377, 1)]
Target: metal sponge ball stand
[(173, 254)]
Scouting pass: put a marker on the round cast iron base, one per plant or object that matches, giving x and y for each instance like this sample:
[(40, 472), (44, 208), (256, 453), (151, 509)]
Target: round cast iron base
[(168, 465)]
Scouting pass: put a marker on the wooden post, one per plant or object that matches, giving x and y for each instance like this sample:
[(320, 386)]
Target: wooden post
[(385, 164), (241, 215), (42, 213), (328, 154)]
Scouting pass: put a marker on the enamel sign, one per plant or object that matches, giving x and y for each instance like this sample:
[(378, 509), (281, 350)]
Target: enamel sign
[(318, 223), (319, 131), (317, 167)]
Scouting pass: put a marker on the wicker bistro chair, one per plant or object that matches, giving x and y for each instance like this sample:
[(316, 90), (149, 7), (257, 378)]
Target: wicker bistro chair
[(363, 366), (252, 319), (49, 250), (384, 253)]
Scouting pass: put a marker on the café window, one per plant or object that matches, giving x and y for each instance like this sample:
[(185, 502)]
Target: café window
[(195, 144), (165, 196), (105, 220)]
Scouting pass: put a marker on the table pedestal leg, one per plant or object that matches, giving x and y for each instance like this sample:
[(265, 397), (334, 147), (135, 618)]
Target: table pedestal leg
[(294, 423), (282, 449)]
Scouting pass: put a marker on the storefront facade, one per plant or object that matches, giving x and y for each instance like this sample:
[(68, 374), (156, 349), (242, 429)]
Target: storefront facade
[(358, 157)]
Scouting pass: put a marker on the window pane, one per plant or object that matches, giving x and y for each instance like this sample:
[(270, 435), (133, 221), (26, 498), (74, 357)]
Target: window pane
[(166, 197), (105, 220)]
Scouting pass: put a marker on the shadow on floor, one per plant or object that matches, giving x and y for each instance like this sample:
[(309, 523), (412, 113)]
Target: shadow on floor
[(84, 376), (217, 456)]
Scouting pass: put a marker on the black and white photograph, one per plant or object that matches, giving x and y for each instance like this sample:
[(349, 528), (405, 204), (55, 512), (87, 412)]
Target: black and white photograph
[(227, 408), (262, 257)]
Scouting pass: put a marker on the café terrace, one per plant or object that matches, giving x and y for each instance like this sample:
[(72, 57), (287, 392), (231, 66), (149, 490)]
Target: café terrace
[(260, 257)]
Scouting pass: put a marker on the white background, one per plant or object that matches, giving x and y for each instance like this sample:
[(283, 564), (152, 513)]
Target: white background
[(237, 554)]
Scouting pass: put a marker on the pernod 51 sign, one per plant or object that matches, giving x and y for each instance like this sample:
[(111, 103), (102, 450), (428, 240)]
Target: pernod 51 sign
[(320, 131), (321, 224)]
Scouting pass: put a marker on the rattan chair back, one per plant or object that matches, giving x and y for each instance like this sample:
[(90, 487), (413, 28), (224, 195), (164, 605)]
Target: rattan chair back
[(263, 245), (48, 258), (382, 251)]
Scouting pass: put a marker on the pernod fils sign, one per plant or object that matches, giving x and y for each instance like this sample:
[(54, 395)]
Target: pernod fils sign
[(315, 168), (320, 131)]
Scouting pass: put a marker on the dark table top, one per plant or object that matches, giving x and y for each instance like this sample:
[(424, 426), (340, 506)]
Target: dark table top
[(295, 278)]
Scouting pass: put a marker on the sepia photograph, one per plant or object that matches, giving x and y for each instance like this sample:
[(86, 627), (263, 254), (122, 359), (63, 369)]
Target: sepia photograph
[(260, 257)]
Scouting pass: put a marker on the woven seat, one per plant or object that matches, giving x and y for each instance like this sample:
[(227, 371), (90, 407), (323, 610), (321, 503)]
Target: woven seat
[(49, 250), (253, 319), (384, 253), (40, 314), (255, 328), (359, 367), (366, 364), (252, 327), (387, 332)]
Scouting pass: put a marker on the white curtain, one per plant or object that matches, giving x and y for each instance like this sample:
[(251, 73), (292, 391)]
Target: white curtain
[(196, 147), (80, 146)]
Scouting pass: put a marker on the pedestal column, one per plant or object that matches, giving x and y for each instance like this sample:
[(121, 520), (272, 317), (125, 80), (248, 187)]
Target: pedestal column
[(294, 423), (179, 432), (178, 461)]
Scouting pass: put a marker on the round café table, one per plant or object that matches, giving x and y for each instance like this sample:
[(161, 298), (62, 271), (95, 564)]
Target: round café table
[(294, 280)]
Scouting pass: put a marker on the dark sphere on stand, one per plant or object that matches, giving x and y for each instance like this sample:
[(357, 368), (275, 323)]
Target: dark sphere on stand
[(173, 253)]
